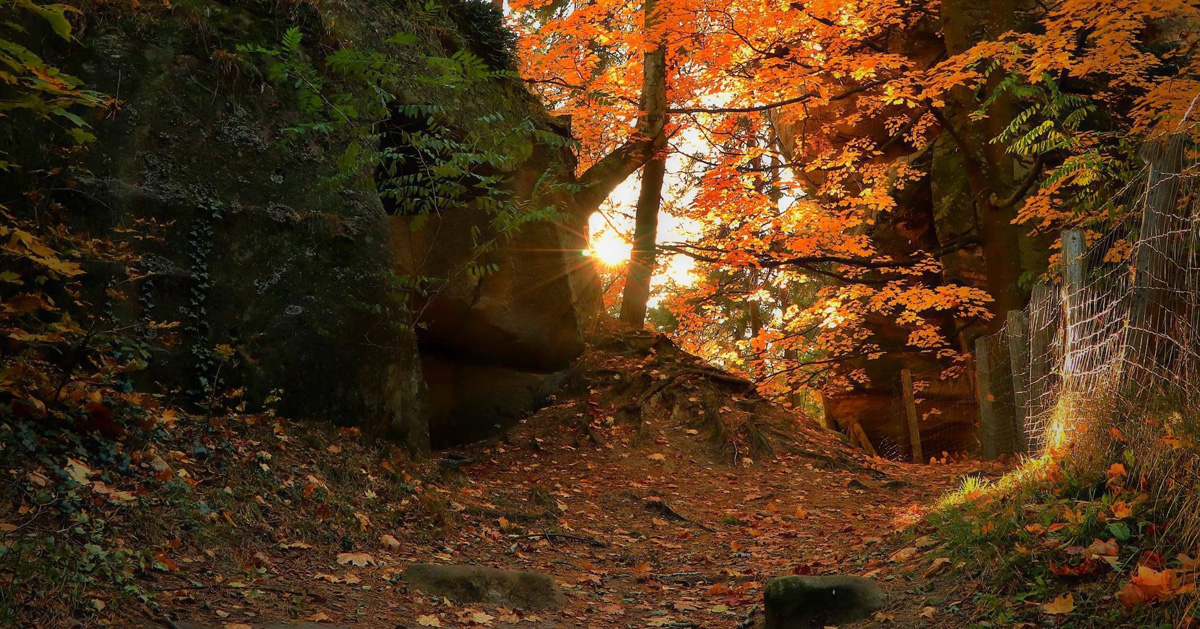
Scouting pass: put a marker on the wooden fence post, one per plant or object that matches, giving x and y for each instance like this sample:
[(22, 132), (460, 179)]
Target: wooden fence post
[(1045, 316), (1074, 271), (1160, 277), (910, 407), (987, 410), (1017, 327)]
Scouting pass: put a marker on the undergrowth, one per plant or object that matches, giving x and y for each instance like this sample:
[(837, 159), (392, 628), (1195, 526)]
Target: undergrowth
[(98, 527), (1068, 540)]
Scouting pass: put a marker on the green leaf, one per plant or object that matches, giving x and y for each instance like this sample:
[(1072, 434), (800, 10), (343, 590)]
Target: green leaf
[(80, 136), (402, 39), (54, 14), (1119, 530), (291, 39)]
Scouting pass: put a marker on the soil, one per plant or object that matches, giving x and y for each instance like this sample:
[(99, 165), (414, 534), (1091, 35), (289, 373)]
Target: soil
[(645, 517)]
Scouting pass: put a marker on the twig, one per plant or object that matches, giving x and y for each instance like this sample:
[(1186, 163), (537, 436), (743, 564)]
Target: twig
[(75, 356), (688, 578), (552, 536), (262, 588), (665, 510)]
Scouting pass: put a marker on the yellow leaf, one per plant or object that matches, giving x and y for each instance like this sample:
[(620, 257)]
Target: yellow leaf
[(320, 617), (657, 457), (1064, 604), (78, 471), (356, 559), (429, 620)]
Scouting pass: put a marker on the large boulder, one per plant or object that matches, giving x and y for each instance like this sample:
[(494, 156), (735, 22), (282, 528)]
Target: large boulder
[(491, 339), (282, 267), (257, 253), (480, 584), (807, 602)]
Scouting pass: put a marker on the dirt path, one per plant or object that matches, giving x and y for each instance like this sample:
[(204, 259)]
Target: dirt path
[(637, 535), (646, 512)]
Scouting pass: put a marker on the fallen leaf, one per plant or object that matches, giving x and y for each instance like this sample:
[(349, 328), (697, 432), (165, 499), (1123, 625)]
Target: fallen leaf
[(355, 559), (429, 620), (939, 565), (320, 617), (1101, 549), (1064, 604), (928, 612), (481, 618), (641, 570), (77, 471), (391, 542), (1146, 586), (657, 457)]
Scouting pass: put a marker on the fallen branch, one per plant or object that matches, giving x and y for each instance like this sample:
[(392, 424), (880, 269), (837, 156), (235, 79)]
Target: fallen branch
[(665, 510), (595, 543), (219, 586)]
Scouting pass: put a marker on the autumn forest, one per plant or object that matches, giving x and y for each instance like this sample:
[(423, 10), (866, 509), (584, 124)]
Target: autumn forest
[(585, 313)]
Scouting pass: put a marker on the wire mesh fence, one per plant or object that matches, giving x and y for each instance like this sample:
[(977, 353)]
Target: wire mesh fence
[(1117, 332)]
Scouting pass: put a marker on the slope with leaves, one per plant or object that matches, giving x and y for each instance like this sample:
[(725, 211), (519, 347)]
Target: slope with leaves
[(238, 519)]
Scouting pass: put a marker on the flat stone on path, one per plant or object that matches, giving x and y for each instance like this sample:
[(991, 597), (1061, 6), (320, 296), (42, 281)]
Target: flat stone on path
[(480, 584), (803, 602)]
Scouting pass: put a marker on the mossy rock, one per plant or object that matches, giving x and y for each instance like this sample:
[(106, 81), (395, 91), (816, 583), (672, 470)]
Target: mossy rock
[(807, 602)]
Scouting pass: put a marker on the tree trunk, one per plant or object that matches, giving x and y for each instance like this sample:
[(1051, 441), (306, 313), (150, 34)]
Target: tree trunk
[(989, 168), (645, 230), (650, 137)]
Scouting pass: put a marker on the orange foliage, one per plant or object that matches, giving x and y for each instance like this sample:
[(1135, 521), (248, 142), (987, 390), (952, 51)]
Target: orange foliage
[(804, 129)]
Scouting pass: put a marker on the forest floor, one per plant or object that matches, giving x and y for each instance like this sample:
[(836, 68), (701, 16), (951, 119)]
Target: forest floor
[(652, 535), (644, 512)]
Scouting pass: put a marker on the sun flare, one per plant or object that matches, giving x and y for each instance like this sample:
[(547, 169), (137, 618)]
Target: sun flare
[(609, 248)]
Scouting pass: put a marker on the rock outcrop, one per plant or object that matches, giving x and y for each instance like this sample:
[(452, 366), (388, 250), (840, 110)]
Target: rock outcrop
[(280, 268)]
